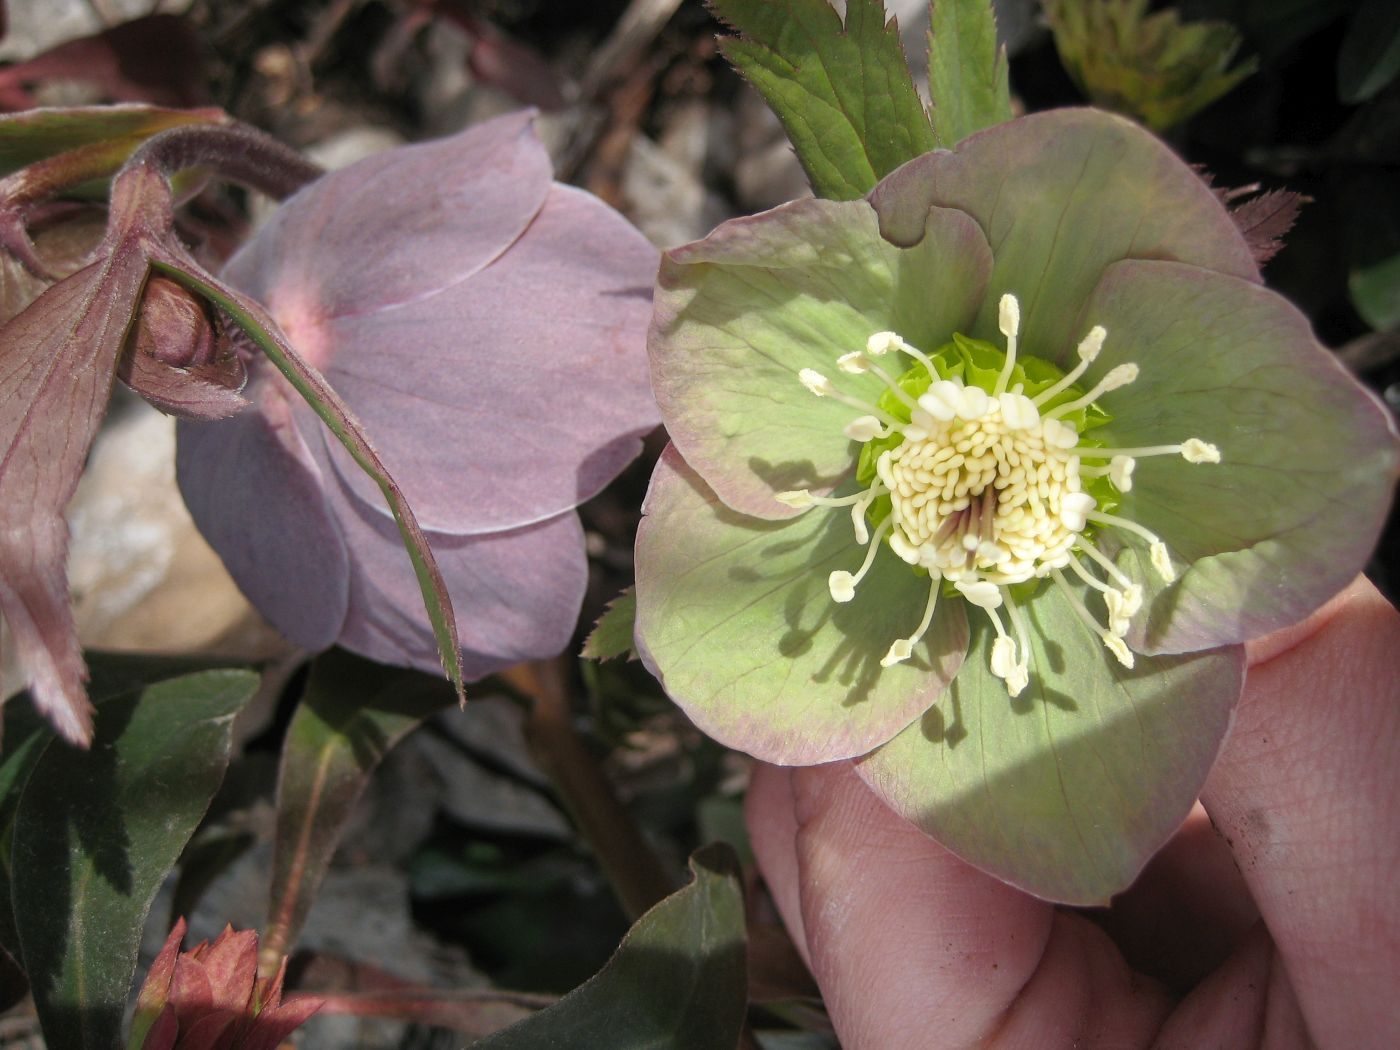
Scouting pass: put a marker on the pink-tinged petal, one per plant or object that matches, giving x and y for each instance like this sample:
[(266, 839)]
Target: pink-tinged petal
[(516, 593), (1307, 456), (1066, 790), (256, 494), (514, 396), (273, 1025), (397, 226), (741, 313), (57, 360), (201, 392), (1060, 195), (735, 619)]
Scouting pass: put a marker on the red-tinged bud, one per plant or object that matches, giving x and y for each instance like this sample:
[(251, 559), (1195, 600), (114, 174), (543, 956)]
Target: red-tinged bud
[(211, 996), (173, 326), (180, 358)]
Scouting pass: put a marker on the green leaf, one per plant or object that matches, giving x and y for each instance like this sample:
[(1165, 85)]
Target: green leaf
[(1375, 292), (336, 415), (352, 713), (677, 982), (1152, 67), (611, 636), (105, 135), (966, 72), (97, 832), (738, 624), (1370, 54), (1066, 790), (845, 97)]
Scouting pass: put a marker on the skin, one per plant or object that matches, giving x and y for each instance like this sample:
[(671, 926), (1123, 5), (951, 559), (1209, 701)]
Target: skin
[(1270, 920)]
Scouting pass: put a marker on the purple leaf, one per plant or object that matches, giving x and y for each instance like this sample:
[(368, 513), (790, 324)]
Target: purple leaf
[(59, 356), (1265, 219)]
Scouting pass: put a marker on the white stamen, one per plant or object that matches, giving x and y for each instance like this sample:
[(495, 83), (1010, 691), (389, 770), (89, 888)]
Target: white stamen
[(1118, 648), (882, 343), (980, 593), (903, 648), (865, 428), (1115, 573), (1003, 656), (855, 363), (1194, 450), (1009, 321), (841, 583), (1120, 472), (1162, 561), (1058, 435), (973, 403), (1018, 412), (1089, 348), (941, 400), (797, 499), (1074, 508), (1117, 377), (858, 510), (816, 382), (1020, 676)]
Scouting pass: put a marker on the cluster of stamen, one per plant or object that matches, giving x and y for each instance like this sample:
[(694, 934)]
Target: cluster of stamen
[(986, 492)]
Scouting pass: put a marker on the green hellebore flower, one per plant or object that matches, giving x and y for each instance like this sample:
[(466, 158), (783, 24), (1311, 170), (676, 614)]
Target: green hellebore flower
[(1085, 455)]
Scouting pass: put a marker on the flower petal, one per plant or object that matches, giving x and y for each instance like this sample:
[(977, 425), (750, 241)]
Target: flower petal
[(518, 394), (1308, 457), (740, 313), (1060, 195), (517, 594), (1068, 789), (255, 493), (735, 619), (398, 225)]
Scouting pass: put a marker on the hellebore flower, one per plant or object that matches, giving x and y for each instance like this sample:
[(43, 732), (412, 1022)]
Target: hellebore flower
[(984, 480), (211, 996), (486, 325)]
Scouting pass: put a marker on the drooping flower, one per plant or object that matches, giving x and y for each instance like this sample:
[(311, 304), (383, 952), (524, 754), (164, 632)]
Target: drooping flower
[(486, 325), (1073, 455)]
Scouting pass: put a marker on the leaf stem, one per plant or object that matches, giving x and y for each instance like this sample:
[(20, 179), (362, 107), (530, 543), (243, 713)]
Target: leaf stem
[(628, 860)]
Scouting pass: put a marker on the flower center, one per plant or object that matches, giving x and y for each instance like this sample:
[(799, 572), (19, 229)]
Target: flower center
[(979, 472)]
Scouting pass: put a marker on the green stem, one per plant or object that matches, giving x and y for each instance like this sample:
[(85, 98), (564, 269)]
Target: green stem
[(636, 874)]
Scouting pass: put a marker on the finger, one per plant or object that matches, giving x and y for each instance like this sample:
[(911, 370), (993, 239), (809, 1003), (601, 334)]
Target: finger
[(1187, 911), (914, 948), (1304, 792), (768, 812)]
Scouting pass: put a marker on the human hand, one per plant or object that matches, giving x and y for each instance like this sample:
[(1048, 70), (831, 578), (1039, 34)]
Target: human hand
[(1277, 927)]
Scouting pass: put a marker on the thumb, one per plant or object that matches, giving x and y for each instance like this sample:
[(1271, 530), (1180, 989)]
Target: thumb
[(914, 948)]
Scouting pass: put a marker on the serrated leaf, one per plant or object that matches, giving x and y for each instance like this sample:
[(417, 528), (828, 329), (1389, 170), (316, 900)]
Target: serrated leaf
[(97, 832), (844, 95), (352, 713), (966, 71), (611, 636), (677, 982)]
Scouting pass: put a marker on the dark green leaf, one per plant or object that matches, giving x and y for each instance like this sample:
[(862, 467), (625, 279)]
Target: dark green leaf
[(611, 636), (1370, 55), (966, 72), (677, 982), (96, 833), (352, 713), (845, 98)]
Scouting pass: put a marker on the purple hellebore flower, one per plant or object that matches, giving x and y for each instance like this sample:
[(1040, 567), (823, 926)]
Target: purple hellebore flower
[(487, 325)]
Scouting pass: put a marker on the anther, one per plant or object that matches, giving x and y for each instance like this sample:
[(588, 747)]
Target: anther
[(903, 648)]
